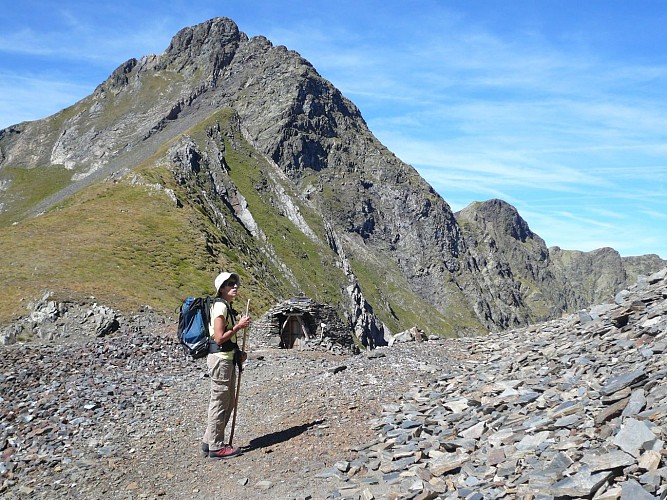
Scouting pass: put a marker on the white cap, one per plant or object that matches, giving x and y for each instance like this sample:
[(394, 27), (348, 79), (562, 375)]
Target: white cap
[(222, 277)]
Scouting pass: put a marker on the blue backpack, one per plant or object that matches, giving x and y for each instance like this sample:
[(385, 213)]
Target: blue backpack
[(193, 322)]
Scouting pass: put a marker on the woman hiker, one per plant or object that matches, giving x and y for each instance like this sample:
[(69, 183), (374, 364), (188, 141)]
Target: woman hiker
[(223, 353)]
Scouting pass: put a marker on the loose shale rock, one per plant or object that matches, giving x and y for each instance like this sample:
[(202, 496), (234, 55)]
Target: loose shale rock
[(571, 408)]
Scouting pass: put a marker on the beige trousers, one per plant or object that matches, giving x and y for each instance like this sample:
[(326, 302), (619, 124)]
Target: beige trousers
[(221, 405)]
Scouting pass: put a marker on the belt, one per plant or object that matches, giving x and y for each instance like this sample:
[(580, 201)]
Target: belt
[(226, 347)]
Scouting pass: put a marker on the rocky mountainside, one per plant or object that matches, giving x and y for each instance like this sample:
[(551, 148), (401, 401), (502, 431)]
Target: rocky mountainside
[(228, 152), (541, 282)]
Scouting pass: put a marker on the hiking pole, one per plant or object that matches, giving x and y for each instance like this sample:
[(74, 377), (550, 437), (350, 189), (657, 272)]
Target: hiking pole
[(238, 381)]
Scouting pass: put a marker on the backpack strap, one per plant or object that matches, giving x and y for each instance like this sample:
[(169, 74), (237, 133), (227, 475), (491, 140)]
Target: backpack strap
[(206, 309)]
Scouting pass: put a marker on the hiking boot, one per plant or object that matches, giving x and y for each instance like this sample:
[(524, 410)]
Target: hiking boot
[(204, 448), (224, 452)]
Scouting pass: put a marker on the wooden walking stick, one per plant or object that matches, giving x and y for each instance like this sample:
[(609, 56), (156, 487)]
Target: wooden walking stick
[(238, 381)]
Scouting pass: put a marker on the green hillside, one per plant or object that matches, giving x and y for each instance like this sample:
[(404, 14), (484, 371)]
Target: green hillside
[(127, 244)]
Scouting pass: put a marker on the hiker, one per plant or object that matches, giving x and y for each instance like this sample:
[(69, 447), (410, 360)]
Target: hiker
[(224, 353)]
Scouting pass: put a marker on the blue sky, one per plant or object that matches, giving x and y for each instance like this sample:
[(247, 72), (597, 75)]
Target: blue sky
[(557, 107)]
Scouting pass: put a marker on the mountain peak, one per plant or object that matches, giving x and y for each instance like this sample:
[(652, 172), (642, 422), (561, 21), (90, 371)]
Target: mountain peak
[(212, 43), (501, 215)]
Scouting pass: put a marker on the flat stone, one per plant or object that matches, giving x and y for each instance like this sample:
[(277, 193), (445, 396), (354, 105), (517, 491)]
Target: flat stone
[(457, 406), (342, 465), (264, 485), (622, 381), (474, 432), (329, 472), (650, 460), (397, 465), (581, 484), (611, 411), (634, 437), (503, 436), (495, 456), (448, 462), (568, 421), (636, 403), (607, 461), (632, 490), (533, 441)]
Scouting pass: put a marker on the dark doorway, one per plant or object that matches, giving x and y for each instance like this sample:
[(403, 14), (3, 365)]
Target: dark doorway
[(293, 331)]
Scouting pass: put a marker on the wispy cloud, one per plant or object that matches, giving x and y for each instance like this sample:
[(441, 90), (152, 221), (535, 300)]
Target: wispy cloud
[(103, 34), (30, 97), (654, 214)]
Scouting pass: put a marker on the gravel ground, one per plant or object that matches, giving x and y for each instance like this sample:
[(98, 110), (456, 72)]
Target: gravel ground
[(122, 417)]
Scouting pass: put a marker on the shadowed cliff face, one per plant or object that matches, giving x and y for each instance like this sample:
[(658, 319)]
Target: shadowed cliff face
[(270, 154), (545, 281)]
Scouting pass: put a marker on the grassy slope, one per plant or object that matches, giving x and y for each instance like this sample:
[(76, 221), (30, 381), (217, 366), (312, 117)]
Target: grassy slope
[(28, 186), (124, 243), (127, 245)]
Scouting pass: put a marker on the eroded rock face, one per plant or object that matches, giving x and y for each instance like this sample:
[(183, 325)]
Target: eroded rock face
[(526, 281)]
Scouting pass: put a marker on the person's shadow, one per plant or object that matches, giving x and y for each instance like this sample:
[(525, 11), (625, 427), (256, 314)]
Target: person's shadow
[(278, 437)]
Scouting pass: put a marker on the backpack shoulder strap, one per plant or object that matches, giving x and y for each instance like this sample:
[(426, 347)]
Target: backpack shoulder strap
[(206, 309), (230, 317)]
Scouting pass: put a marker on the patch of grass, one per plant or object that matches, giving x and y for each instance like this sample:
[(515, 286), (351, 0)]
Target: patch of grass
[(27, 186), (126, 245)]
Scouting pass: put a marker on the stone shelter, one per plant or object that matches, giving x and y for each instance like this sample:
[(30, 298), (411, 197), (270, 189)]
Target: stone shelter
[(302, 323)]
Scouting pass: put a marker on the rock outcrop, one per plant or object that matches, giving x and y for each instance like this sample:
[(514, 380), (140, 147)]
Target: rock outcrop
[(52, 321), (528, 282)]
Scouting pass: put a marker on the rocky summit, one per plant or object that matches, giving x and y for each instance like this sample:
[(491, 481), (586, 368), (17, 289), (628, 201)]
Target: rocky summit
[(570, 408)]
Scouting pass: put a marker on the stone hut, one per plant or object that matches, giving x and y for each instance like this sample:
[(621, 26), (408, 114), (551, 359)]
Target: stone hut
[(301, 323)]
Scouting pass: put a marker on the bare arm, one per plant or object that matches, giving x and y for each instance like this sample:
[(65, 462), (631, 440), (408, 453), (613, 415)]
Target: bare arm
[(220, 332)]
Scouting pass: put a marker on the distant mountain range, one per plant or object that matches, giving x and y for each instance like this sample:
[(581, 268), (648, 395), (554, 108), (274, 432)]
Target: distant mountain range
[(226, 152)]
